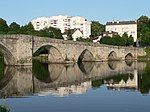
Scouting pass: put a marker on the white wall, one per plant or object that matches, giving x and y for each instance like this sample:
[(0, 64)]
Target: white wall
[(130, 29), (64, 23)]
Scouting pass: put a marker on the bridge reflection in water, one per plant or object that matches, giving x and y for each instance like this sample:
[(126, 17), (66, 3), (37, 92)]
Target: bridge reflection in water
[(64, 79)]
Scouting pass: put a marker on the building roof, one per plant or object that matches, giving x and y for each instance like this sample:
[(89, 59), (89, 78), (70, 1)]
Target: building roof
[(71, 31), (121, 22)]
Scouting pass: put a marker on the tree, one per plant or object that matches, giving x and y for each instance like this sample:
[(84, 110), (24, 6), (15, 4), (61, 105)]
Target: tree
[(106, 40), (141, 25), (27, 29), (96, 28), (130, 40), (3, 26), (146, 38), (144, 30), (49, 32), (125, 37), (14, 26)]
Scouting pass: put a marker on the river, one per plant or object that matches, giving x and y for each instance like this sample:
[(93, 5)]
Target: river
[(114, 86)]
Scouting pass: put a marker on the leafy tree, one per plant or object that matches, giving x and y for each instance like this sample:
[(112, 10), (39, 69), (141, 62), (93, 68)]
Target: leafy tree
[(106, 40), (96, 28), (14, 26), (143, 29), (130, 40), (115, 40), (3, 26), (125, 37), (142, 21), (12, 32), (27, 29), (146, 38)]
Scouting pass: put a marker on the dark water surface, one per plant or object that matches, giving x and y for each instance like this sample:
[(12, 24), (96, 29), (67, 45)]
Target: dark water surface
[(86, 87)]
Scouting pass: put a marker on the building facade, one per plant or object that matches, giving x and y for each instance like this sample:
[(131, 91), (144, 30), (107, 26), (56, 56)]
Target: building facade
[(64, 23), (121, 27)]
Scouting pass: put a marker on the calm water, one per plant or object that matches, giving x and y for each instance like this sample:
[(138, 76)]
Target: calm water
[(87, 87)]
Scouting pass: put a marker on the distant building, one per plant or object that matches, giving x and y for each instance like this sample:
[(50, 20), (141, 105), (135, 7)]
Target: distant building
[(64, 23), (74, 33), (121, 27)]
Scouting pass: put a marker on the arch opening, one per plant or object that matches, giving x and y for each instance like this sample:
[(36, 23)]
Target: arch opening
[(129, 56), (9, 59), (112, 56), (86, 56), (48, 53), (112, 65)]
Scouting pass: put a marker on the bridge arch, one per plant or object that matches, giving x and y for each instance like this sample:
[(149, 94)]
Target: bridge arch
[(9, 59), (54, 55), (129, 56), (112, 65), (86, 56), (112, 55)]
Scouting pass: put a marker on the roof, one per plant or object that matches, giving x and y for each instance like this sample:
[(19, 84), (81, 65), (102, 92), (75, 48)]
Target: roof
[(121, 22), (71, 31)]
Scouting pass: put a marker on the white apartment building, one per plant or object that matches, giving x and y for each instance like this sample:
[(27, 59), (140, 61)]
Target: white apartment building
[(64, 23), (130, 27)]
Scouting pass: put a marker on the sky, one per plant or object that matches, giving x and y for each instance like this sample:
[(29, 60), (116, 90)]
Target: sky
[(23, 11)]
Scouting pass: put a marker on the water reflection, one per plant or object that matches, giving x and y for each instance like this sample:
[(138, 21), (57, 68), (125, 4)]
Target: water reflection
[(61, 79)]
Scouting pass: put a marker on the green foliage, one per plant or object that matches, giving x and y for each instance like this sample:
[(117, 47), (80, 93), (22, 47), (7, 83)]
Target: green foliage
[(3, 26), (96, 28), (97, 83), (147, 50), (40, 71), (4, 109), (144, 30), (118, 78), (12, 32), (130, 40), (28, 29), (144, 80), (85, 40), (116, 40), (14, 27)]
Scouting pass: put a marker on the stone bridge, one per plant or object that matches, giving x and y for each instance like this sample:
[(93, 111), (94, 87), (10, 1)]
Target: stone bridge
[(19, 49)]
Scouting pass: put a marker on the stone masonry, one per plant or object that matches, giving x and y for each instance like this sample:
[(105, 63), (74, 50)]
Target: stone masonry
[(18, 50)]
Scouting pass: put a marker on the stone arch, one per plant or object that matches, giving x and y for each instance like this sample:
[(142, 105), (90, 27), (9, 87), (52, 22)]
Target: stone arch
[(9, 59), (54, 55), (112, 65), (112, 55), (8, 75), (129, 56), (86, 56), (86, 67), (129, 62)]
